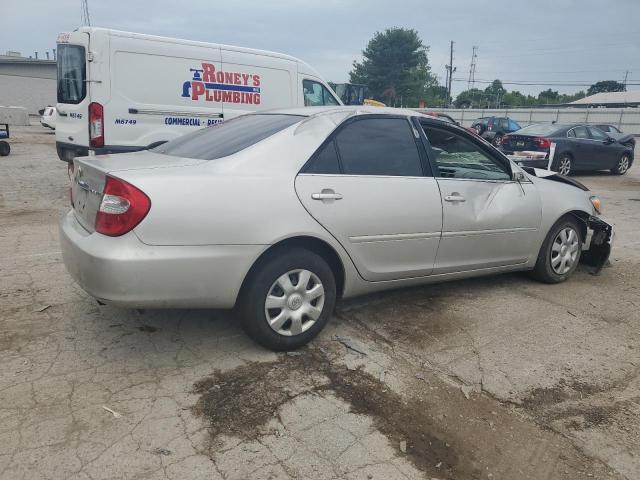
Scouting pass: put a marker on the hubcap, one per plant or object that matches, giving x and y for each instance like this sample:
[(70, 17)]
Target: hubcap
[(564, 250), (294, 302), (565, 166), (623, 164)]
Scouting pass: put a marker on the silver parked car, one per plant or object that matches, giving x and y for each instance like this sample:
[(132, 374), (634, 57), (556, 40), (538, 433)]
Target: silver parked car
[(280, 214)]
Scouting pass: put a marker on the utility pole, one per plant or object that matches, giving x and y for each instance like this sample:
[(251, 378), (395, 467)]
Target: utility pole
[(624, 82), (450, 69), (86, 20), (472, 69)]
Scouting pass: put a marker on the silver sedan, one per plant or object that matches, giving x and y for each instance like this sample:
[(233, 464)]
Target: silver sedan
[(280, 214)]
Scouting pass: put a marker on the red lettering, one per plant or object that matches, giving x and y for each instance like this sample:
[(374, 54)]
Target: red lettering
[(245, 78), (256, 80), (209, 96), (256, 98), (220, 77), (209, 72), (228, 77), (217, 96), (247, 98), (226, 97), (236, 97), (236, 78), (197, 89)]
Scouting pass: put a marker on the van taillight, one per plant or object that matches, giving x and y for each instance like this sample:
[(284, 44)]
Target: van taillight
[(542, 142), (123, 207), (96, 125)]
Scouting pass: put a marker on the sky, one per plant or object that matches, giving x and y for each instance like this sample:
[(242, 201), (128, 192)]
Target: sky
[(537, 41)]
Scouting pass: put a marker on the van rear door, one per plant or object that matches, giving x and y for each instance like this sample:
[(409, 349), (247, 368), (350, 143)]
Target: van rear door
[(72, 132)]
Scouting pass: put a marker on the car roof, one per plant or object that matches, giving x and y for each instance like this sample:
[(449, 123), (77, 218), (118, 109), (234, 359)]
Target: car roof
[(352, 110)]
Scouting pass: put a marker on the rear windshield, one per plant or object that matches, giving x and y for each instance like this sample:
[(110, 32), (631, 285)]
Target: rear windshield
[(540, 129), (71, 74), (229, 137)]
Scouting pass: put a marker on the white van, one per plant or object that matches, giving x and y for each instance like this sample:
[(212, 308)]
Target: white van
[(123, 92)]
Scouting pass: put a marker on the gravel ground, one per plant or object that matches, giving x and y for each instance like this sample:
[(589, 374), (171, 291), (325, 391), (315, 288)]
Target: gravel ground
[(498, 377)]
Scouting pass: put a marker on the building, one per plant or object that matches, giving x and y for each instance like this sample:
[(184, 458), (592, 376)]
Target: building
[(610, 99), (27, 82)]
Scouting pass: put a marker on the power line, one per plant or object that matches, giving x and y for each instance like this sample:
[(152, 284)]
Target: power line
[(543, 84)]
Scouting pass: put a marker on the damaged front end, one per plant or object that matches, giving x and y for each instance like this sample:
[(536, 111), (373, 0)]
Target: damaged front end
[(599, 249)]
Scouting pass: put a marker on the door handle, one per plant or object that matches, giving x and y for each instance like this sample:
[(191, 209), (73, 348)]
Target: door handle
[(329, 195), (455, 197)]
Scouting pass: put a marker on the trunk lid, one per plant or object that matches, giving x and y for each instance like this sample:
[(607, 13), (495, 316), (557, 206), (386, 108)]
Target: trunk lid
[(519, 143), (89, 176)]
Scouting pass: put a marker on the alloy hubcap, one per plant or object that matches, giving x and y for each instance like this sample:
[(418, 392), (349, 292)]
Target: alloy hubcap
[(564, 251), (294, 302), (623, 164), (565, 166)]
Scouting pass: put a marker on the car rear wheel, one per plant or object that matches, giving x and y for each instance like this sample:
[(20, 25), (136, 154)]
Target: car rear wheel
[(565, 164), (288, 299), (623, 165), (497, 140), (560, 252)]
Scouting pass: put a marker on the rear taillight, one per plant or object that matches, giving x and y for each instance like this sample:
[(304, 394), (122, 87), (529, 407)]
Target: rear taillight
[(123, 207), (542, 142), (96, 125), (490, 125)]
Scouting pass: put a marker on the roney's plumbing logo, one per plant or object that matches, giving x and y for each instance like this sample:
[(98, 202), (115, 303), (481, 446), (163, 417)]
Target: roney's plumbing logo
[(218, 86)]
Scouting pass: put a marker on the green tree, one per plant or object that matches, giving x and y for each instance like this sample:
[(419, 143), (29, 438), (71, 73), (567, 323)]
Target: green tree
[(606, 86), (548, 96), (396, 68), (472, 98)]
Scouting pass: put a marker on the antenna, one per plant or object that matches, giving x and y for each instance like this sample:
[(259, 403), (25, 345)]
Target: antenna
[(472, 69), (86, 20)]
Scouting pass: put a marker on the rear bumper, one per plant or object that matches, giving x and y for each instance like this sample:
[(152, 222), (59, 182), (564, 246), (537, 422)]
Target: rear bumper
[(124, 271)]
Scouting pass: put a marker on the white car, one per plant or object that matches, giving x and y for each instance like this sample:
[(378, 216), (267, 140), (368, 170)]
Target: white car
[(282, 213), (49, 117)]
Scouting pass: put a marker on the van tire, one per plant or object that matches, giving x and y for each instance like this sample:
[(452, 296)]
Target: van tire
[(264, 281)]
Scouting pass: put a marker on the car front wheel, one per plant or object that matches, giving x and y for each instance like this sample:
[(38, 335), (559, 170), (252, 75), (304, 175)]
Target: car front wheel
[(560, 252), (288, 299), (623, 165)]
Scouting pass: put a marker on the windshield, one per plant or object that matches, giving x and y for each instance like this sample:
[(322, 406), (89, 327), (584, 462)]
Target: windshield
[(229, 137), (540, 129), (71, 74)]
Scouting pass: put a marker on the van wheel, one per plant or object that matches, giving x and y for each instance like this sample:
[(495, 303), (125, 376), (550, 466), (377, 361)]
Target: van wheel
[(5, 149), (560, 252), (623, 165), (288, 299)]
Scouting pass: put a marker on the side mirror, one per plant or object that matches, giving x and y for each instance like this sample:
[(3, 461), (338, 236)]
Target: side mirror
[(609, 141), (518, 176)]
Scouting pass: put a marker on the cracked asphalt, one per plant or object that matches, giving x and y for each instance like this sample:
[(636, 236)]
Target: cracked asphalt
[(491, 378)]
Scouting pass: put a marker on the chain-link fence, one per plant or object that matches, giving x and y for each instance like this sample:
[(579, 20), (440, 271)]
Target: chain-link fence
[(626, 119)]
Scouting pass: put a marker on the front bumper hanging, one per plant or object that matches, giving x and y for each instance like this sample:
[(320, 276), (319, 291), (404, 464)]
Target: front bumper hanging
[(600, 245)]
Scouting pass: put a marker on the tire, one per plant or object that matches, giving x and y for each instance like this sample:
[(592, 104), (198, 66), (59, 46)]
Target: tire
[(497, 140), (479, 130), (564, 164), (623, 165), (5, 149), (548, 268), (289, 301)]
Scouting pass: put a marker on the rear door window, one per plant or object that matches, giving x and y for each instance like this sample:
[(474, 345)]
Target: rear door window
[(72, 74), (229, 137), (379, 146), (598, 134), (581, 132), (325, 161)]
